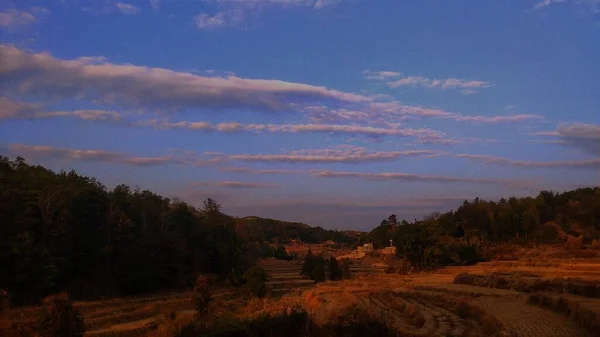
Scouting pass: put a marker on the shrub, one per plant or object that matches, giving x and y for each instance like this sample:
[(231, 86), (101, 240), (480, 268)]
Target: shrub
[(314, 267), (346, 274), (318, 274), (255, 279), (59, 319), (335, 273), (4, 301), (201, 296), (292, 322)]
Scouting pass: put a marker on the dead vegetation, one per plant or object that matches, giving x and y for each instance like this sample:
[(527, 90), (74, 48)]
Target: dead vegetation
[(531, 283), (583, 316)]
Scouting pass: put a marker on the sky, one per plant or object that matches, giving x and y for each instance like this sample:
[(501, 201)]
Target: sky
[(331, 112)]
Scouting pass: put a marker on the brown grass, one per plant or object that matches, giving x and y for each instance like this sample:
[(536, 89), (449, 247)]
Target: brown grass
[(489, 324), (581, 315), (579, 287)]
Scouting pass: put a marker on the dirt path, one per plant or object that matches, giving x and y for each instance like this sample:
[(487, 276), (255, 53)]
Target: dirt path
[(528, 320)]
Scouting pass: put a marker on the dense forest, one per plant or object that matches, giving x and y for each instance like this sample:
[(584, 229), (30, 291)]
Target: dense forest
[(66, 232), (278, 231), (459, 236)]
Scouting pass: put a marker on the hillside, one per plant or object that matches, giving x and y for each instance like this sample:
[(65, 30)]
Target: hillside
[(67, 232), (277, 231)]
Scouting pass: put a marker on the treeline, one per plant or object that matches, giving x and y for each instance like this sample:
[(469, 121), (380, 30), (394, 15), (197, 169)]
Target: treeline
[(67, 232), (278, 231), (458, 237)]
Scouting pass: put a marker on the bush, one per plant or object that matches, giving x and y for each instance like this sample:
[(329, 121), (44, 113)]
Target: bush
[(314, 267), (318, 274), (255, 279), (201, 296), (4, 301), (335, 273), (346, 274), (59, 319), (292, 322)]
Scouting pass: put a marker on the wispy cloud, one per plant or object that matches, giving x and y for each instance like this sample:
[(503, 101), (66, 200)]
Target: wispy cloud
[(260, 171), (19, 110), (389, 176), (127, 8), (424, 135), (381, 75), (10, 109), (580, 135), (56, 153), (485, 159), (342, 154), (396, 111), (128, 85), (207, 21), (587, 5), (23, 110), (235, 13), (353, 154), (399, 176), (155, 4), (544, 3), (13, 18), (466, 86), (244, 184)]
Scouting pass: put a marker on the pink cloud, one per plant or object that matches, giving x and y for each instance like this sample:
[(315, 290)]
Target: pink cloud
[(129, 85), (56, 153), (13, 18), (342, 154), (243, 184)]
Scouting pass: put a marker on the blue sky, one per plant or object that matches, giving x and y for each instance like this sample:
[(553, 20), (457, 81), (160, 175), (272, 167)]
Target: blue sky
[(335, 113)]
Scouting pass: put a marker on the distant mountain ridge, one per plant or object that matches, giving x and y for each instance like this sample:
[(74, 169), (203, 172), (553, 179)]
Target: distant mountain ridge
[(279, 231)]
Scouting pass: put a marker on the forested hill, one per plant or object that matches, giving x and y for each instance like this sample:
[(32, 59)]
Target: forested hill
[(67, 232), (278, 231), (547, 218)]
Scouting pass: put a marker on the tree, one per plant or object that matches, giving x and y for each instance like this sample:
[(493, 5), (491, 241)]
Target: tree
[(335, 273), (59, 318), (314, 267), (256, 279), (211, 207), (392, 221), (346, 274), (201, 296), (318, 274)]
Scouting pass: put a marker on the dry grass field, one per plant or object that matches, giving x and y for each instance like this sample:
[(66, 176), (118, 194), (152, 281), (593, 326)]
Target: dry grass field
[(545, 292)]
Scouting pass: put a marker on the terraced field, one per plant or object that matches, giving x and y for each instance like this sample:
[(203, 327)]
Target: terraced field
[(415, 305)]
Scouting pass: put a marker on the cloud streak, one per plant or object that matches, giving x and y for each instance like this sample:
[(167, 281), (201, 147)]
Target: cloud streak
[(344, 154), (352, 154), (12, 110), (466, 86), (56, 153), (127, 8), (397, 111), (13, 18), (579, 135), (408, 177), (244, 184), (235, 13), (424, 135), (96, 79), (387, 176)]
